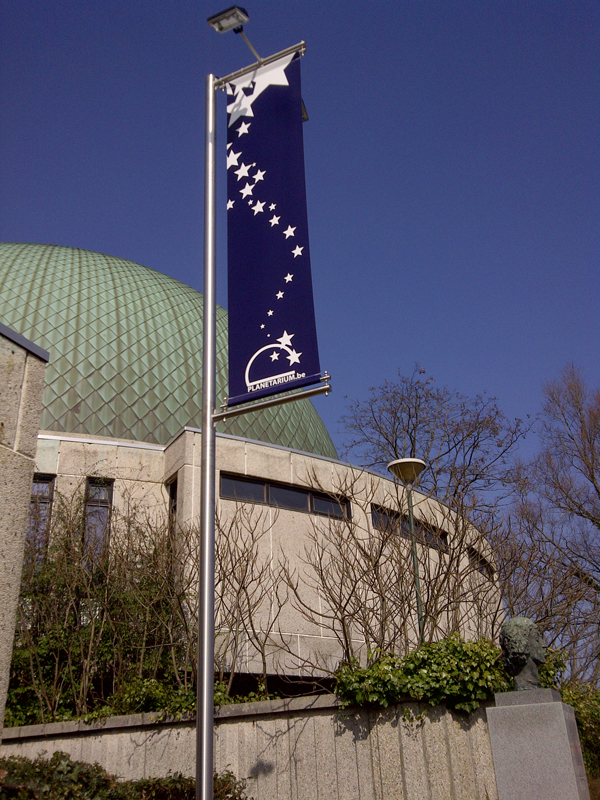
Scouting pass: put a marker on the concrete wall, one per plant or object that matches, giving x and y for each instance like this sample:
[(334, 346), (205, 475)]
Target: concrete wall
[(136, 468), (304, 749), (22, 367)]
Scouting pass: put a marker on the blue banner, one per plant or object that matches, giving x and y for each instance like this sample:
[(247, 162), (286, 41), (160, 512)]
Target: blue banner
[(272, 333)]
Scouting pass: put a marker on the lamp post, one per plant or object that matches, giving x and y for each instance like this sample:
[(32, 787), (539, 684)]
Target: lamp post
[(233, 18), (408, 470)]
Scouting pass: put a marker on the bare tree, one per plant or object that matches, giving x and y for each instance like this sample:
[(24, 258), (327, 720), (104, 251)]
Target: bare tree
[(468, 443), (550, 549), (356, 580), (249, 594)]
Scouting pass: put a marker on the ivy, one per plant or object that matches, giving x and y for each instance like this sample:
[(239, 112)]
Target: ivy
[(455, 672)]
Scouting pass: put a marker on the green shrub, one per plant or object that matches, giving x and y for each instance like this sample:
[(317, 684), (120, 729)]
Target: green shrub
[(60, 778), (144, 695), (223, 698), (455, 672), (586, 704), (551, 672), (57, 778)]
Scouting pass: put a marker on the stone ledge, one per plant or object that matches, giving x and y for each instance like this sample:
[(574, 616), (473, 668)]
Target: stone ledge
[(230, 712)]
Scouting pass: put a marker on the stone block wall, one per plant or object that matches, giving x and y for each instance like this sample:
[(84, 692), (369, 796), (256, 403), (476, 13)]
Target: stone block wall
[(299, 749)]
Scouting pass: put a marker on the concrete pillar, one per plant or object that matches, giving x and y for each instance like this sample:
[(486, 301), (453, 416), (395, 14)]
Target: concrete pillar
[(22, 367)]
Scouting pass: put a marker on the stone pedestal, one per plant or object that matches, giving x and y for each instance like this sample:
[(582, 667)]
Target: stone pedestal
[(535, 747)]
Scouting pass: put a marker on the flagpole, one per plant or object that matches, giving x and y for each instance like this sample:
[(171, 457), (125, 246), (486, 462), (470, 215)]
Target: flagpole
[(206, 600), (205, 666)]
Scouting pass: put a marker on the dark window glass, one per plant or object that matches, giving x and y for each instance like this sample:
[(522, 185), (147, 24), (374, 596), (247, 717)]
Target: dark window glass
[(434, 538), (392, 522), (242, 489), (283, 497), (172, 489), (481, 564), (330, 507), (98, 492), (252, 490), (98, 503), (389, 521), (40, 511)]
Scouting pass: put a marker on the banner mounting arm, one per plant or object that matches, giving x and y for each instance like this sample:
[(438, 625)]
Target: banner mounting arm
[(275, 401), (220, 83)]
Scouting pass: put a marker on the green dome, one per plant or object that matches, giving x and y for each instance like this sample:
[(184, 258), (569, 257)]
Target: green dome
[(125, 346)]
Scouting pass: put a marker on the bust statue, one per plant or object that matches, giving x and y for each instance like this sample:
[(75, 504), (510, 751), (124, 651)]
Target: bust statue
[(523, 650)]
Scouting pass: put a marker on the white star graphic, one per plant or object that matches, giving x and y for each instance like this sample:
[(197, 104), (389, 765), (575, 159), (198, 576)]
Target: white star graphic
[(232, 159), (246, 190), (279, 295), (294, 357), (262, 326), (230, 204), (258, 207), (274, 355), (297, 251), (243, 128), (269, 313), (288, 277), (260, 175), (289, 232), (243, 171), (273, 206), (274, 220), (286, 339), (263, 77)]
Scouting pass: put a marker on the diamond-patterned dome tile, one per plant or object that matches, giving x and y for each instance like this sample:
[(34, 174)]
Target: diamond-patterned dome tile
[(125, 345)]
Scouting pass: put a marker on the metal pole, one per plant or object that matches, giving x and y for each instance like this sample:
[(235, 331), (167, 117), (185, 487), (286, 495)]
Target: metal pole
[(206, 601), (415, 562)]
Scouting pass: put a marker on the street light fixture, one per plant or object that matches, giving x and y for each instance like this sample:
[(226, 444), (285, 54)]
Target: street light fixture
[(233, 19), (407, 471), (228, 20)]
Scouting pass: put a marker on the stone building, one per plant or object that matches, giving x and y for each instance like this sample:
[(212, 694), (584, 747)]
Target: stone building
[(119, 422)]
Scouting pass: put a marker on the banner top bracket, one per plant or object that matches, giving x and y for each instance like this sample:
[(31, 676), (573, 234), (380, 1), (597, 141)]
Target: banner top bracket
[(220, 83)]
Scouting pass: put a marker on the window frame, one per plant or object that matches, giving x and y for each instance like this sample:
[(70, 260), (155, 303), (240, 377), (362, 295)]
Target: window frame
[(481, 564), (425, 534), (42, 538), (173, 497), (91, 503), (300, 491)]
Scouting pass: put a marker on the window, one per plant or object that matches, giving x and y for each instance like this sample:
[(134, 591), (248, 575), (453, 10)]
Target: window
[(482, 565), (388, 521), (172, 490), (280, 495), (98, 504), (243, 489), (40, 512), (286, 497)]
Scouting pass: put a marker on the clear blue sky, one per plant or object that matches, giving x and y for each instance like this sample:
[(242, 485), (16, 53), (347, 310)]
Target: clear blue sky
[(452, 156)]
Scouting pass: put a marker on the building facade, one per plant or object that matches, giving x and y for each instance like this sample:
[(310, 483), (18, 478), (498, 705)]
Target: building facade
[(330, 570)]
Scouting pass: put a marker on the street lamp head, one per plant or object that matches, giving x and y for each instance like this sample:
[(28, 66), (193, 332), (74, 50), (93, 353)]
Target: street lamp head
[(230, 19), (407, 470)]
